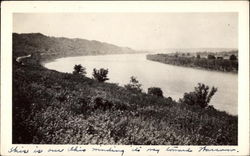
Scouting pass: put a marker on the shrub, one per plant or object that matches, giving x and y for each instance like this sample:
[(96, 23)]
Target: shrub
[(201, 96), (211, 57), (79, 69), (100, 103), (80, 106), (232, 58), (198, 56), (133, 85), (155, 91), (100, 75)]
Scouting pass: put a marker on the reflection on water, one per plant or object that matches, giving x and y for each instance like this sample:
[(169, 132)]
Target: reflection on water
[(173, 80)]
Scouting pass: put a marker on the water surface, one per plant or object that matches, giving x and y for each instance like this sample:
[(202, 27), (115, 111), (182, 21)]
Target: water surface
[(173, 80)]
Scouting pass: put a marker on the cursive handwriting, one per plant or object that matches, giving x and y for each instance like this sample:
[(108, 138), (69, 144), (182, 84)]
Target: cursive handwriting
[(153, 150), (108, 150), (18, 150), (178, 149), (76, 149), (206, 149), (55, 150)]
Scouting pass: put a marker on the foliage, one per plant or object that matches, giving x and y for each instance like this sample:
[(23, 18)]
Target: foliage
[(211, 57), (50, 107), (100, 75), (232, 58), (224, 65), (79, 69), (201, 96), (54, 47), (60, 108), (133, 85), (155, 91)]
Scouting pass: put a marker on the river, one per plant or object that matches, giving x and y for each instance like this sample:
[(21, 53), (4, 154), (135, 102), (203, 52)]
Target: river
[(173, 80)]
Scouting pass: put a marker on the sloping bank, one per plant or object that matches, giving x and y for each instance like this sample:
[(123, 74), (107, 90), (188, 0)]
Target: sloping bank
[(50, 107), (59, 108)]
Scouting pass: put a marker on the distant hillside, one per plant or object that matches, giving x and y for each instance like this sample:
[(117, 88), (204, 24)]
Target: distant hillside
[(37, 43)]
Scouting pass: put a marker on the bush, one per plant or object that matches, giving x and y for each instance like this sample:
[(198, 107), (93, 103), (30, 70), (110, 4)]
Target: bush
[(133, 85), (232, 58), (79, 69), (201, 96), (155, 91), (100, 75), (211, 57), (100, 103)]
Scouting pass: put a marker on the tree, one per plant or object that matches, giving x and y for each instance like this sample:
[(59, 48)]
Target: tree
[(100, 75), (133, 85), (198, 56), (211, 57), (155, 91), (201, 96), (232, 58), (79, 69)]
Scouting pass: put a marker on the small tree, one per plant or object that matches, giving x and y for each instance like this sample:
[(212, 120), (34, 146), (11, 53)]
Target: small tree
[(79, 69), (232, 58), (211, 57), (133, 85), (198, 56), (155, 91), (100, 75), (201, 96)]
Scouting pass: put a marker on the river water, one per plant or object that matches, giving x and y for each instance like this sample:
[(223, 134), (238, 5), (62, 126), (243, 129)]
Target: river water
[(173, 80)]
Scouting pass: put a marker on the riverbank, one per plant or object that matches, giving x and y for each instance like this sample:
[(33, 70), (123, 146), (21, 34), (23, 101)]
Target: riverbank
[(50, 107), (221, 65)]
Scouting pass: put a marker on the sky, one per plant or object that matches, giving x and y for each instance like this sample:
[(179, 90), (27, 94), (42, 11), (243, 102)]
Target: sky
[(139, 31)]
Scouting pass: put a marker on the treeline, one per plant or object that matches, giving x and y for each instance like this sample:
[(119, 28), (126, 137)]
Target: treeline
[(209, 63)]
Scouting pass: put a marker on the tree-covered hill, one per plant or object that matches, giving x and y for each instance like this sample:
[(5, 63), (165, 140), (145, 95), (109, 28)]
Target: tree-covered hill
[(37, 43)]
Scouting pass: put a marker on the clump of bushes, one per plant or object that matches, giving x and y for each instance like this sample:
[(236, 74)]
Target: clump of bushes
[(79, 69), (133, 85), (100, 75), (211, 57), (100, 103), (201, 96), (232, 58), (155, 91)]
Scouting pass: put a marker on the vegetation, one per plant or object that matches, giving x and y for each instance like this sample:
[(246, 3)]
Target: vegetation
[(211, 57), (155, 91), (233, 58), (201, 96), (209, 63), (134, 85), (100, 75), (60, 108), (50, 107), (47, 47), (79, 69)]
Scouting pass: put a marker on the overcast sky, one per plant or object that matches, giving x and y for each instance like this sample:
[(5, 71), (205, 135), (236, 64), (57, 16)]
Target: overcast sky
[(137, 30)]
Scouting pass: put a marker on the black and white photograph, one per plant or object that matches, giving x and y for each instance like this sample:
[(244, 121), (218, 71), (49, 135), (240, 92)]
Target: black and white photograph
[(126, 78)]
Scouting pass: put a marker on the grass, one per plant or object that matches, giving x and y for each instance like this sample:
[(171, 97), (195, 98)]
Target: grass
[(50, 107)]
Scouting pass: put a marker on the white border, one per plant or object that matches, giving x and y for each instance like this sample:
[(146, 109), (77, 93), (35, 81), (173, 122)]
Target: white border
[(9, 7)]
